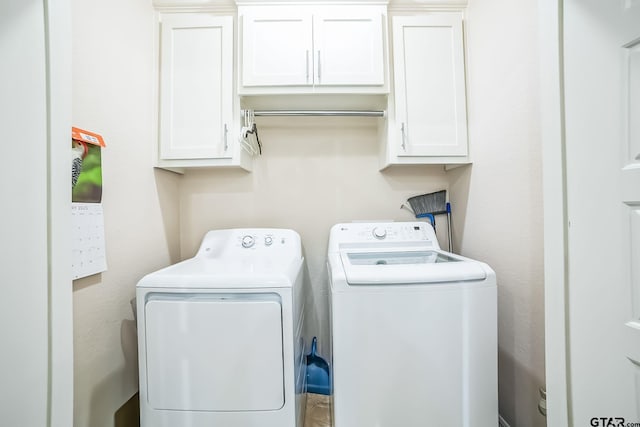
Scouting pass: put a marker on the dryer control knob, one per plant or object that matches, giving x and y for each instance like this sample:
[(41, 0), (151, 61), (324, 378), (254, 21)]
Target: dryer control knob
[(379, 233), (268, 240), (247, 241)]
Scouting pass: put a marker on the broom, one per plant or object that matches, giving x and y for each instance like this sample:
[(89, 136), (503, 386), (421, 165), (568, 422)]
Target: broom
[(432, 204)]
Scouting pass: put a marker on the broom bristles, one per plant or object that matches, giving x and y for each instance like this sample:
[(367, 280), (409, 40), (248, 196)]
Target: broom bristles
[(431, 203)]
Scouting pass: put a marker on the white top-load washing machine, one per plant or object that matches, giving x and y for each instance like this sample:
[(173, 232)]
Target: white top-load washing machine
[(220, 335), (414, 330)]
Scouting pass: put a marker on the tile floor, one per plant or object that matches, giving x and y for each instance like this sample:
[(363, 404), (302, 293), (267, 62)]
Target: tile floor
[(318, 411)]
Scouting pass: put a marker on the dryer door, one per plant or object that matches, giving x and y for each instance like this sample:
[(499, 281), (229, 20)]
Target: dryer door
[(214, 352)]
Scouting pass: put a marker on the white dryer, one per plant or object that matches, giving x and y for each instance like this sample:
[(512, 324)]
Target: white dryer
[(220, 335), (414, 330)]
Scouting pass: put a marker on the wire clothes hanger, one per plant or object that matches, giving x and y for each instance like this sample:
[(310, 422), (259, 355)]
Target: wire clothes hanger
[(252, 145)]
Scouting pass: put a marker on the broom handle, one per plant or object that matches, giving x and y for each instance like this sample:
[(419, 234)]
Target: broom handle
[(449, 226)]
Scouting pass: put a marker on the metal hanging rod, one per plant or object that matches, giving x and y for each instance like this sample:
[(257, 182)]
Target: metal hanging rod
[(346, 113)]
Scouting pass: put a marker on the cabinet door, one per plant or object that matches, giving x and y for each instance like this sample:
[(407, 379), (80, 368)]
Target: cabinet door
[(428, 58), (349, 47), (196, 81), (276, 48)]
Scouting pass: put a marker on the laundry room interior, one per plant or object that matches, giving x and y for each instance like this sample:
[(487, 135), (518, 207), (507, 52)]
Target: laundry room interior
[(313, 172)]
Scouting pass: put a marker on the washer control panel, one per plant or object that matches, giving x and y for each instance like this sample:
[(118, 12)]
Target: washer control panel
[(387, 233)]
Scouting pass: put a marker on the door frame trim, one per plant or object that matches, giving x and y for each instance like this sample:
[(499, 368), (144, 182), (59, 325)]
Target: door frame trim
[(556, 254), (60, 299)]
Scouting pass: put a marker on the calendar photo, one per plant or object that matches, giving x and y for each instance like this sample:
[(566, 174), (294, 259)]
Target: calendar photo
[(86, 167)]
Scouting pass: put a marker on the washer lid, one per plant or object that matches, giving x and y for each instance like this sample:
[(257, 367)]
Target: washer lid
[(408, 267), (237, 273)]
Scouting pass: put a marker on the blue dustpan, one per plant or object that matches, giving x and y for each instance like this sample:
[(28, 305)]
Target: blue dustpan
[(318, 380)]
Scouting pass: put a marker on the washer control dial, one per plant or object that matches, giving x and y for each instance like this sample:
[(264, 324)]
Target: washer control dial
[(268, 240), (248, 241), (379, 233)]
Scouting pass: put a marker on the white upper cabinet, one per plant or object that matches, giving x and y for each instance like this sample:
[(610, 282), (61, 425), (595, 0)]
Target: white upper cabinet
[(313, 49), (429, 124), (349, 48), (277, 47), (196, 91)]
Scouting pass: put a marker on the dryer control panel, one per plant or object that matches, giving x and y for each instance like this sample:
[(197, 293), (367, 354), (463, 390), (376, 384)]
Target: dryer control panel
[(266, 238), (251, 242)]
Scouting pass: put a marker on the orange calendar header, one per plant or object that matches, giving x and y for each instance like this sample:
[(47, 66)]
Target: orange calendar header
[(88, 137)]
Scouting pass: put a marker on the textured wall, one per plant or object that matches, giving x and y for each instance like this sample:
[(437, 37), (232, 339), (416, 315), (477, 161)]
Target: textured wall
[(498, 201), (315, 172), (113, 95)]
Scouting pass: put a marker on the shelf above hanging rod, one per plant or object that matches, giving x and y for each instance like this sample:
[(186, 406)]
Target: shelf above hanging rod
[(343, 113)]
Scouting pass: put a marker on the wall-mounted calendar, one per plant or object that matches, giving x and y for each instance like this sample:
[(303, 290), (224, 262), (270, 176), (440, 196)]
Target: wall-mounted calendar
[(88, 255), (87, 220)]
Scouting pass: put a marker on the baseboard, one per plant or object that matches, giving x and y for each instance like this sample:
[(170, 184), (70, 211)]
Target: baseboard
[(502, 422)]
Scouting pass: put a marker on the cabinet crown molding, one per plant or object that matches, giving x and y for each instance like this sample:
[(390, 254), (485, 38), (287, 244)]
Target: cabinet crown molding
[(429, 3), (192, 4), (310, 2), (226, 4)]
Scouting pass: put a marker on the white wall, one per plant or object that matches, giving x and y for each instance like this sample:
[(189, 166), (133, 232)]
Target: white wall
[(113, 81), (24, 311), (498, 201), (314, 172)]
